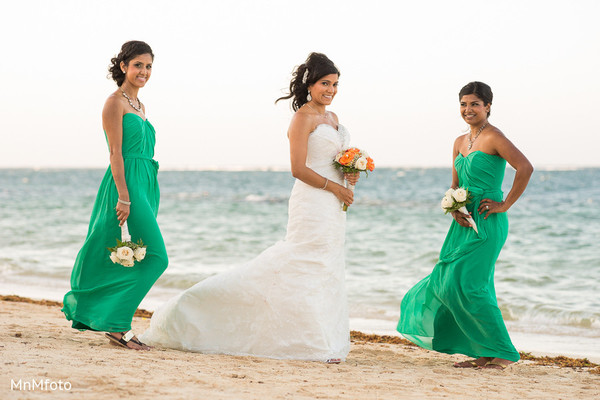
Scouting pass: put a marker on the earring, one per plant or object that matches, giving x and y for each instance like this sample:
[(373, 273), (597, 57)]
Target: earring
[(308, 96)]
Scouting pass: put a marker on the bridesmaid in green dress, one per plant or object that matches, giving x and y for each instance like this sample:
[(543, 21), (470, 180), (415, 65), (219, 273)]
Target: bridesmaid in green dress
[(105, 295), (454, 309)]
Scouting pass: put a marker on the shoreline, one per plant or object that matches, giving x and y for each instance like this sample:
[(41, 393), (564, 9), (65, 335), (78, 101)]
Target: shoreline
[(543, 343), (361, 337), (39, 346)]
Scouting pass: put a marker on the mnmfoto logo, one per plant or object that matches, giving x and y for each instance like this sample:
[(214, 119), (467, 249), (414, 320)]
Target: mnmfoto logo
[(41, 384)]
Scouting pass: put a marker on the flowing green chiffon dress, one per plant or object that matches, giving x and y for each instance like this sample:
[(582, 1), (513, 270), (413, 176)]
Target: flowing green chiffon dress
[(454, 309), (104, 296)]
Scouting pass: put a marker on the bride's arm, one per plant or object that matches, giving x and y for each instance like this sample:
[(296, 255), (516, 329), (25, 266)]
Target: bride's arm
[(299, 131)]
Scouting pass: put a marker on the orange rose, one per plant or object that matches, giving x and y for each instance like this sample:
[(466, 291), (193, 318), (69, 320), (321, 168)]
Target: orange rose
[(346, 158), (370, 164)]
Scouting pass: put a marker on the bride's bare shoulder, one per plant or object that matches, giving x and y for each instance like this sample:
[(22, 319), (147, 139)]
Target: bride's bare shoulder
[(302, 122)]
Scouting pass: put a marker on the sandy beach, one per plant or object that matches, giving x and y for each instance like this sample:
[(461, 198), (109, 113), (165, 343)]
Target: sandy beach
[(38, 345)]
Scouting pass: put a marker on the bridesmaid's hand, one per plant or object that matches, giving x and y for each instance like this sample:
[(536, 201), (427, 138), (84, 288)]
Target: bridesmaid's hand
[(461, 219), (123, 211), (491, 207), (352, 178), (345, 195)]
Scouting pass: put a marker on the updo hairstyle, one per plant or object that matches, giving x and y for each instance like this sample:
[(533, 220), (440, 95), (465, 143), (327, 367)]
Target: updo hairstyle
[(318, 66), (129, 50), (479, 89)]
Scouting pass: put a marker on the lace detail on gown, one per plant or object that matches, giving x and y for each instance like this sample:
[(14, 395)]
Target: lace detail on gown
[(290, 301)]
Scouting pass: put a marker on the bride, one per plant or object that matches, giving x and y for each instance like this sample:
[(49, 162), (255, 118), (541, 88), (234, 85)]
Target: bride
[(290, 301)]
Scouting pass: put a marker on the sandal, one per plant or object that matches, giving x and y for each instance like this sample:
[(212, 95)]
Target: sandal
[(140, 343), (466, 364), (333, 361), (476, 363), (495, 365), (125, 338)]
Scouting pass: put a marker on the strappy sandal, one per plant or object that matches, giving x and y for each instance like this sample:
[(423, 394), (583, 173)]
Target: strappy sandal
[(469, 364), (333, 361), (125, 338), (495, 365)]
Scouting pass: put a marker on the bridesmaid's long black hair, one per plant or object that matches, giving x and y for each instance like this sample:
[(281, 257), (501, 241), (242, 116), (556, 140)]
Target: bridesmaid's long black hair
[(129, 50), (479, 89), (318, 66)]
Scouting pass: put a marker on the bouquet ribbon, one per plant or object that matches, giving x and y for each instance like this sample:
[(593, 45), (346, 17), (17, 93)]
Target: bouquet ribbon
[(125, 236)]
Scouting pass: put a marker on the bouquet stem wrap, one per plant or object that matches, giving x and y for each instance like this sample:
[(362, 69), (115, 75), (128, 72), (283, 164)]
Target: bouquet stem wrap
[(463, 210), (345, 207), (125, 236)]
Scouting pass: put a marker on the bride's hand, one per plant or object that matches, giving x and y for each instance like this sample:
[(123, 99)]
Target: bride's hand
[(352, 178), (346, 196)]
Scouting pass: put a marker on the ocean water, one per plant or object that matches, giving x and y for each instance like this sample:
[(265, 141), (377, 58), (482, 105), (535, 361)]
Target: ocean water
[(547, 276)]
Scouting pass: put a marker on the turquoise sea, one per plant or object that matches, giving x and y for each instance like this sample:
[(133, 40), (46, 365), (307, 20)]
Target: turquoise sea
[(547, 276)]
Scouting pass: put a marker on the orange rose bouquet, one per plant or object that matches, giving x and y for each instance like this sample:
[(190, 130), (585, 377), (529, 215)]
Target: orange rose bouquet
[(353, 161)]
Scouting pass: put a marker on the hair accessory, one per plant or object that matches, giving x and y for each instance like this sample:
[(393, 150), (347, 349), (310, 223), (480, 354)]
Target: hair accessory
[(305, 76)]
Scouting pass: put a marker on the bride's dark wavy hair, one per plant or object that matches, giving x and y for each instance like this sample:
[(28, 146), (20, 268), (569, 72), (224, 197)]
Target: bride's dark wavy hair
[(318, 66), (479, 89), (129, 50)]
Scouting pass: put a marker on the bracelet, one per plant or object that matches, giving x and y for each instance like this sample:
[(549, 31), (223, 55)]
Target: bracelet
[(127, 203), (326, 182)]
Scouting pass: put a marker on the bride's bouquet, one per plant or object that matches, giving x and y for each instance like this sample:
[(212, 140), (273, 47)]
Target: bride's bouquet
[(456, 200), (351, 161), (126, 252)]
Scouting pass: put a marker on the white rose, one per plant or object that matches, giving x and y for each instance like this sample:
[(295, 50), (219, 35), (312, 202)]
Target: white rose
[(127, 263), (447, 202), (113, 257), (139, 253), (460, 195), (337, 157), (125, 253), (449, 192), (361, 163)]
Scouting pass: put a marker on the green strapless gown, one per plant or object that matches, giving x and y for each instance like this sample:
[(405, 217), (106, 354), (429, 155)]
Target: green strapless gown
[(454, 309), (104, 295)]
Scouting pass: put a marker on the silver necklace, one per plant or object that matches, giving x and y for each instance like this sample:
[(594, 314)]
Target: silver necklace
[(471, 141), (318, 113), (139, 108)]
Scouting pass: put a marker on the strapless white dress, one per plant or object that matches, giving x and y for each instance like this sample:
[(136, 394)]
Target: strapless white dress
[(287, 303)]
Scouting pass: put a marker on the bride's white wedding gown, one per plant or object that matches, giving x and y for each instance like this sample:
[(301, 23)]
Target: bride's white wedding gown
[(290, 301)]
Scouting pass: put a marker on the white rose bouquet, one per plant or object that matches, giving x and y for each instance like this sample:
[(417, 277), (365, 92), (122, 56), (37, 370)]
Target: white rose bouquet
[(126, 252), (456, 200), (351, 161)]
